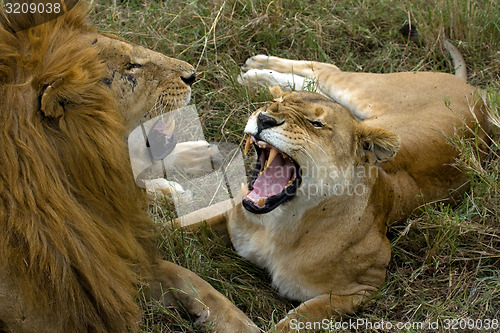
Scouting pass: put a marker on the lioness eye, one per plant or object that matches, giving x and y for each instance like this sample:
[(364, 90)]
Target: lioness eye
[(132, 65), (316, 123)]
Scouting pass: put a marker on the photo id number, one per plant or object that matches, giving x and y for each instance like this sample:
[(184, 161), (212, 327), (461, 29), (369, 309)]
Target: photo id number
[(33, 8)]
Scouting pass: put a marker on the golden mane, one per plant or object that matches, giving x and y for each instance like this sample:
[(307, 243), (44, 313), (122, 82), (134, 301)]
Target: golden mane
[(74, 236)]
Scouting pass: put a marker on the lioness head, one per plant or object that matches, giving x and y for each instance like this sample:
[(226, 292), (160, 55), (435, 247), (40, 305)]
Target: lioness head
[(306, 142)]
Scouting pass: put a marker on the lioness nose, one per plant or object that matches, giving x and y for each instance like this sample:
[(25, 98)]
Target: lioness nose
[(188, 78), (264, 121)]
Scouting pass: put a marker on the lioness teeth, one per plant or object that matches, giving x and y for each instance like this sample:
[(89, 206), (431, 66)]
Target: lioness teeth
[(262, 202), (248, 144), (272, 154), (244, 189), (260, 144)]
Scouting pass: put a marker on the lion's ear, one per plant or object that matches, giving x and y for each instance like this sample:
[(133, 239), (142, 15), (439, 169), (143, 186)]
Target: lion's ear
[(382, 143), (50, 103)]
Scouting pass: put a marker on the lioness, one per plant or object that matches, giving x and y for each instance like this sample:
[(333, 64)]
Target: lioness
[(75, 240), (333, 172)]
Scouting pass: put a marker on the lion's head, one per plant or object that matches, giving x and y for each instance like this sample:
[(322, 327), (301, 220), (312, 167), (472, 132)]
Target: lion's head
[(307, 146), (73, 232), (144, 82)]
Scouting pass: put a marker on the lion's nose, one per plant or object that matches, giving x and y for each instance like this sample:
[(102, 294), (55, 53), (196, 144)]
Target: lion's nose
[(265, 121), (188, 78)]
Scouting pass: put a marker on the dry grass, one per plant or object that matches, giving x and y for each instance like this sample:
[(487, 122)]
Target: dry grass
[(446, 260)]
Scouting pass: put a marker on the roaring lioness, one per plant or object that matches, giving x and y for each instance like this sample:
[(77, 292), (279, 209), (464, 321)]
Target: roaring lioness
[(333, 172), (76, 242)]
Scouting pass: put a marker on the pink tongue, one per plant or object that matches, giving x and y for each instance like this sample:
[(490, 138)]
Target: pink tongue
[(274, 180)]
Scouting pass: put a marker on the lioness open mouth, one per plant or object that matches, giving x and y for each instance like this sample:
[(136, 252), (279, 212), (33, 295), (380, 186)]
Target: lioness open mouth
[(275, 178)]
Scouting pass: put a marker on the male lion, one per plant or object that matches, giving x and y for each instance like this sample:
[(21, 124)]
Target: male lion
[(75, 240), (332, 174)]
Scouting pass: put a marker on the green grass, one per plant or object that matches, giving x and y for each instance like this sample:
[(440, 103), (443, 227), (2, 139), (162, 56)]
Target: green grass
[(446, 260)]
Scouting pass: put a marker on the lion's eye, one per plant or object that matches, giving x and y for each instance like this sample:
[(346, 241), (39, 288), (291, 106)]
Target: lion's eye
[(316, 123), (132, 65)]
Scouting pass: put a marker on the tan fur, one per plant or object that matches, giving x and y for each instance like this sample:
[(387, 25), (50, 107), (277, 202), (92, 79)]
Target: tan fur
[(75, 240), (142, 79), (384, 134)]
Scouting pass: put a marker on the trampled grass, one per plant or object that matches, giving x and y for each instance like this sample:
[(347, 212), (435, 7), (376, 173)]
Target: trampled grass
[(446, 260)]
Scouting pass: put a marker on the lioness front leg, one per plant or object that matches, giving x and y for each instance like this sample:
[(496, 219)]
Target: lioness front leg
[(321, 307), (173, 285), (307, 69), (270, 78)]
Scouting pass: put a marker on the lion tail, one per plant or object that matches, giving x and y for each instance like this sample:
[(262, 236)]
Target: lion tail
[(458, 59)]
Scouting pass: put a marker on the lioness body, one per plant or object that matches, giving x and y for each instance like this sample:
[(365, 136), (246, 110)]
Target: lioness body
[(75, 240), (370, 154), (422, 108)]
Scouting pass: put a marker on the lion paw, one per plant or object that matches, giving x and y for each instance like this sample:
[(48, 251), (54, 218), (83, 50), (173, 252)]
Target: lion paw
[(258, 76), (203, 318), (193, 157), (168, 189), (255, 62), (270, 78)]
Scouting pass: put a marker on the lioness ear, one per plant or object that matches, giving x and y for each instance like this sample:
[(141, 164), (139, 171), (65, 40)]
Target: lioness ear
[(276, 92), (50, 104), (383, 144)]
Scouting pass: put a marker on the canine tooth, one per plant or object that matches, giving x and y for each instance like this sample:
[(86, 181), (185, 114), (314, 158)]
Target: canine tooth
[(248, 144), (272, 154), (262, 202), (244, 189)]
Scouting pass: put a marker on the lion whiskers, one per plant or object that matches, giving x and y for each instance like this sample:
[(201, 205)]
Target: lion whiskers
[(163, 106), (308, 154), (315, 144)]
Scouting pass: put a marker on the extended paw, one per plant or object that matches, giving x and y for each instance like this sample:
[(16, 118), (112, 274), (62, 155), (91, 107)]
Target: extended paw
[(255, 62), (193, 157), (168, 189), (258, 76), (270, 78), (175, 285)]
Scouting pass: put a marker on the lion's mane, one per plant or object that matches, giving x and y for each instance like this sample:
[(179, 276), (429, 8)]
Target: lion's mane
[(74, 236)]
